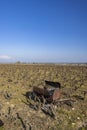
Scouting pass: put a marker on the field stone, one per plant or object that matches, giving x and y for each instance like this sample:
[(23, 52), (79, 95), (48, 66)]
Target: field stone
[(12, 105)]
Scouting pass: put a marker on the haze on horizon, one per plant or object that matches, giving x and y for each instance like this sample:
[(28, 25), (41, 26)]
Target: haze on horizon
[(43, 31)]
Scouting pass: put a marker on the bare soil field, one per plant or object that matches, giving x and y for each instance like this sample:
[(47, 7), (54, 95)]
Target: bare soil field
[(15, 110)]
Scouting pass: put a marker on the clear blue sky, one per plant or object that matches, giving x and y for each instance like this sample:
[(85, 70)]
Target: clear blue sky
[(43, 30)]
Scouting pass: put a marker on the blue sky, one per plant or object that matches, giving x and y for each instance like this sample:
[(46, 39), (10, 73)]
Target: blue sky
[(43, 30)]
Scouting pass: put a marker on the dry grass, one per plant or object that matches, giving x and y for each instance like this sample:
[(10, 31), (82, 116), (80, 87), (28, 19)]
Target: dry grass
[(18, 79)]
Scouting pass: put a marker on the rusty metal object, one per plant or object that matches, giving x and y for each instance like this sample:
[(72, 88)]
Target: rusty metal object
[(41, 91), (53, 84), (50, 94), (55, 95), (44, 97)]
